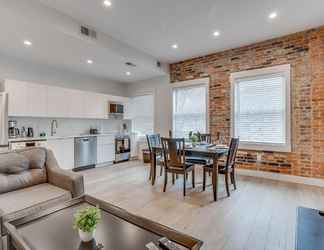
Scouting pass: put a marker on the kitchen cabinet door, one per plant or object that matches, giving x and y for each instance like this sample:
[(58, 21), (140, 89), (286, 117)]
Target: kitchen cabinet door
[(57, 102), (69, 153), (105, 148), (63, 150), (128, 110), (99, 154), (75, 99), (36, 100), (17, 98), (94, 106), (108, 152)]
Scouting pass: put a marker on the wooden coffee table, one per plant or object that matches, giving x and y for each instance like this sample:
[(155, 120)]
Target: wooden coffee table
[(52, 229)]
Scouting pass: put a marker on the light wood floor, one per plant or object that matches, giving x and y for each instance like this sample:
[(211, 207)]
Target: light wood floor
[(259, 215)]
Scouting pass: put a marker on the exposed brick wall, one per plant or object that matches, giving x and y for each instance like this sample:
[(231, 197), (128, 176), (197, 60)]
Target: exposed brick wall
[(304, 51)]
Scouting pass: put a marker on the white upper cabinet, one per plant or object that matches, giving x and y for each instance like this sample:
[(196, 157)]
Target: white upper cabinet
[(17, 99), (76, 105), (129, 109), (26, 99), (57, 102), (37, 100), (95, 106)]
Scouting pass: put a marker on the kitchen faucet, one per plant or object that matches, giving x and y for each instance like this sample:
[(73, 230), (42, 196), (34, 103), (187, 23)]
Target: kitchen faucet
[(53, 129)]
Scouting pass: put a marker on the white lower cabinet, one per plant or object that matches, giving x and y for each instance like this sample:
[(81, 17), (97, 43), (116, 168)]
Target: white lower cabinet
[(105, 149), (106, 153), (63, 150)]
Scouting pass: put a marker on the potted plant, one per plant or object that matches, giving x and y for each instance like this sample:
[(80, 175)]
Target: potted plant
[(193, 137), (86, 220)]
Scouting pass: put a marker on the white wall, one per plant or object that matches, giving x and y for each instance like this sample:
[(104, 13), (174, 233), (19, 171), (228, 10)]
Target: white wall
[(161, 89), (17, 69)]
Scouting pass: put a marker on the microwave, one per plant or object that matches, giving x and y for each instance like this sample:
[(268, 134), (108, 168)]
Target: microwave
[(116, 108)]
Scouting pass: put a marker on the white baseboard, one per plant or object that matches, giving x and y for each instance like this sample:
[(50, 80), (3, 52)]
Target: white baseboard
[(282, 177)]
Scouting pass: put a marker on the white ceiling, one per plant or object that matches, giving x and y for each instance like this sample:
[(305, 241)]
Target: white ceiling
[(56, 42), (142, 31), (154, 25)]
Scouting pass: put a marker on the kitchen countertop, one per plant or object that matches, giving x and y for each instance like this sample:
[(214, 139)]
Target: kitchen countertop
[(47, 138)]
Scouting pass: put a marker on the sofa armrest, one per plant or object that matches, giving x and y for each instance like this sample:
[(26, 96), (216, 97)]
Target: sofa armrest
[(65, 179)]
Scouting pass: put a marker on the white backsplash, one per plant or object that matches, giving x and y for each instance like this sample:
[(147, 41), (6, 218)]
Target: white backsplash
[(67, 126)]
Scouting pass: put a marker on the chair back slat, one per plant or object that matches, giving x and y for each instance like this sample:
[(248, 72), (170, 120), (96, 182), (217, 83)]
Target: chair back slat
[(230, 161), (173, 152), (205, 138), (153, 140)]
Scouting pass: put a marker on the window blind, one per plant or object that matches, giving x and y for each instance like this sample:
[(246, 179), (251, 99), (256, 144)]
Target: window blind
[(143, 114), (189, 110), (260, 109)]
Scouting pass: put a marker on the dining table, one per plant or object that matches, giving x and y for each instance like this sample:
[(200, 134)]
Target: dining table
[(212, 152)]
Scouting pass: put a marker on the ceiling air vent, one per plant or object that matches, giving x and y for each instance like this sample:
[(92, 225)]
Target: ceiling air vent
[(88, 32), (130, 64)]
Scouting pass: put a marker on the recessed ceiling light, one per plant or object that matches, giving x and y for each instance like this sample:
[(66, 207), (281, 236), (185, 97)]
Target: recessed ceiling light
[(175, 46), (216, 33), (28, 43), (89, 61), (107, 3), (273, 15), (128, 73)]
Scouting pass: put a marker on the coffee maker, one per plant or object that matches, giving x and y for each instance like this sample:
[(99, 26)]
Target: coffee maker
[(13, 131)]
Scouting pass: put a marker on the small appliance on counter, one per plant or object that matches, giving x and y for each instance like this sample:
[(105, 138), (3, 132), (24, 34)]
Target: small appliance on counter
[(122, 148), (23, 132), (13, 131), (94, 131), (30, 132)]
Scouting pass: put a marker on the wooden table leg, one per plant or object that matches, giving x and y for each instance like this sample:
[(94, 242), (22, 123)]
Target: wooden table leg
[(153, 166), (215, 178)]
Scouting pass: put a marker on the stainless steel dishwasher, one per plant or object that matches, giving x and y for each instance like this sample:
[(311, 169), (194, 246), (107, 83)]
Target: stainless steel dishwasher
[(85, 152)]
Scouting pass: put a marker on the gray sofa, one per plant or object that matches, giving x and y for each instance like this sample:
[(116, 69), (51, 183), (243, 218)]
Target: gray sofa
[(31, 180)]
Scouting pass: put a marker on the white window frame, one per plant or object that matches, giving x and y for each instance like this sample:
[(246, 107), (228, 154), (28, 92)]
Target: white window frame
[(193, 83), (283, 70)]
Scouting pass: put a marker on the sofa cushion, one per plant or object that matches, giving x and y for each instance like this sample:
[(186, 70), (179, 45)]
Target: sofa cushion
[(13, 163), (32, 199), (24, 179), (36, 157)]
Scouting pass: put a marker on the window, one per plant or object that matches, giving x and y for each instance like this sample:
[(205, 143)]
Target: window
[(261, 108), (189, 109), (142, 108)]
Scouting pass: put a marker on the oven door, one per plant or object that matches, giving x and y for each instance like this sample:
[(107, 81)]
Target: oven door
[(122, 145)]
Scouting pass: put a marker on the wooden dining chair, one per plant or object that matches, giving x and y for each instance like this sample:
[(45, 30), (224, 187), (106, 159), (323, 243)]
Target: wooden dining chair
[(205, 138), (154, 140), (228, 170), (200, 160), (175, 161)]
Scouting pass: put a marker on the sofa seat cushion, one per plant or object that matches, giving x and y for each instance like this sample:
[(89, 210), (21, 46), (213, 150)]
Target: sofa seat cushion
[(32, 199), (24, 179)]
